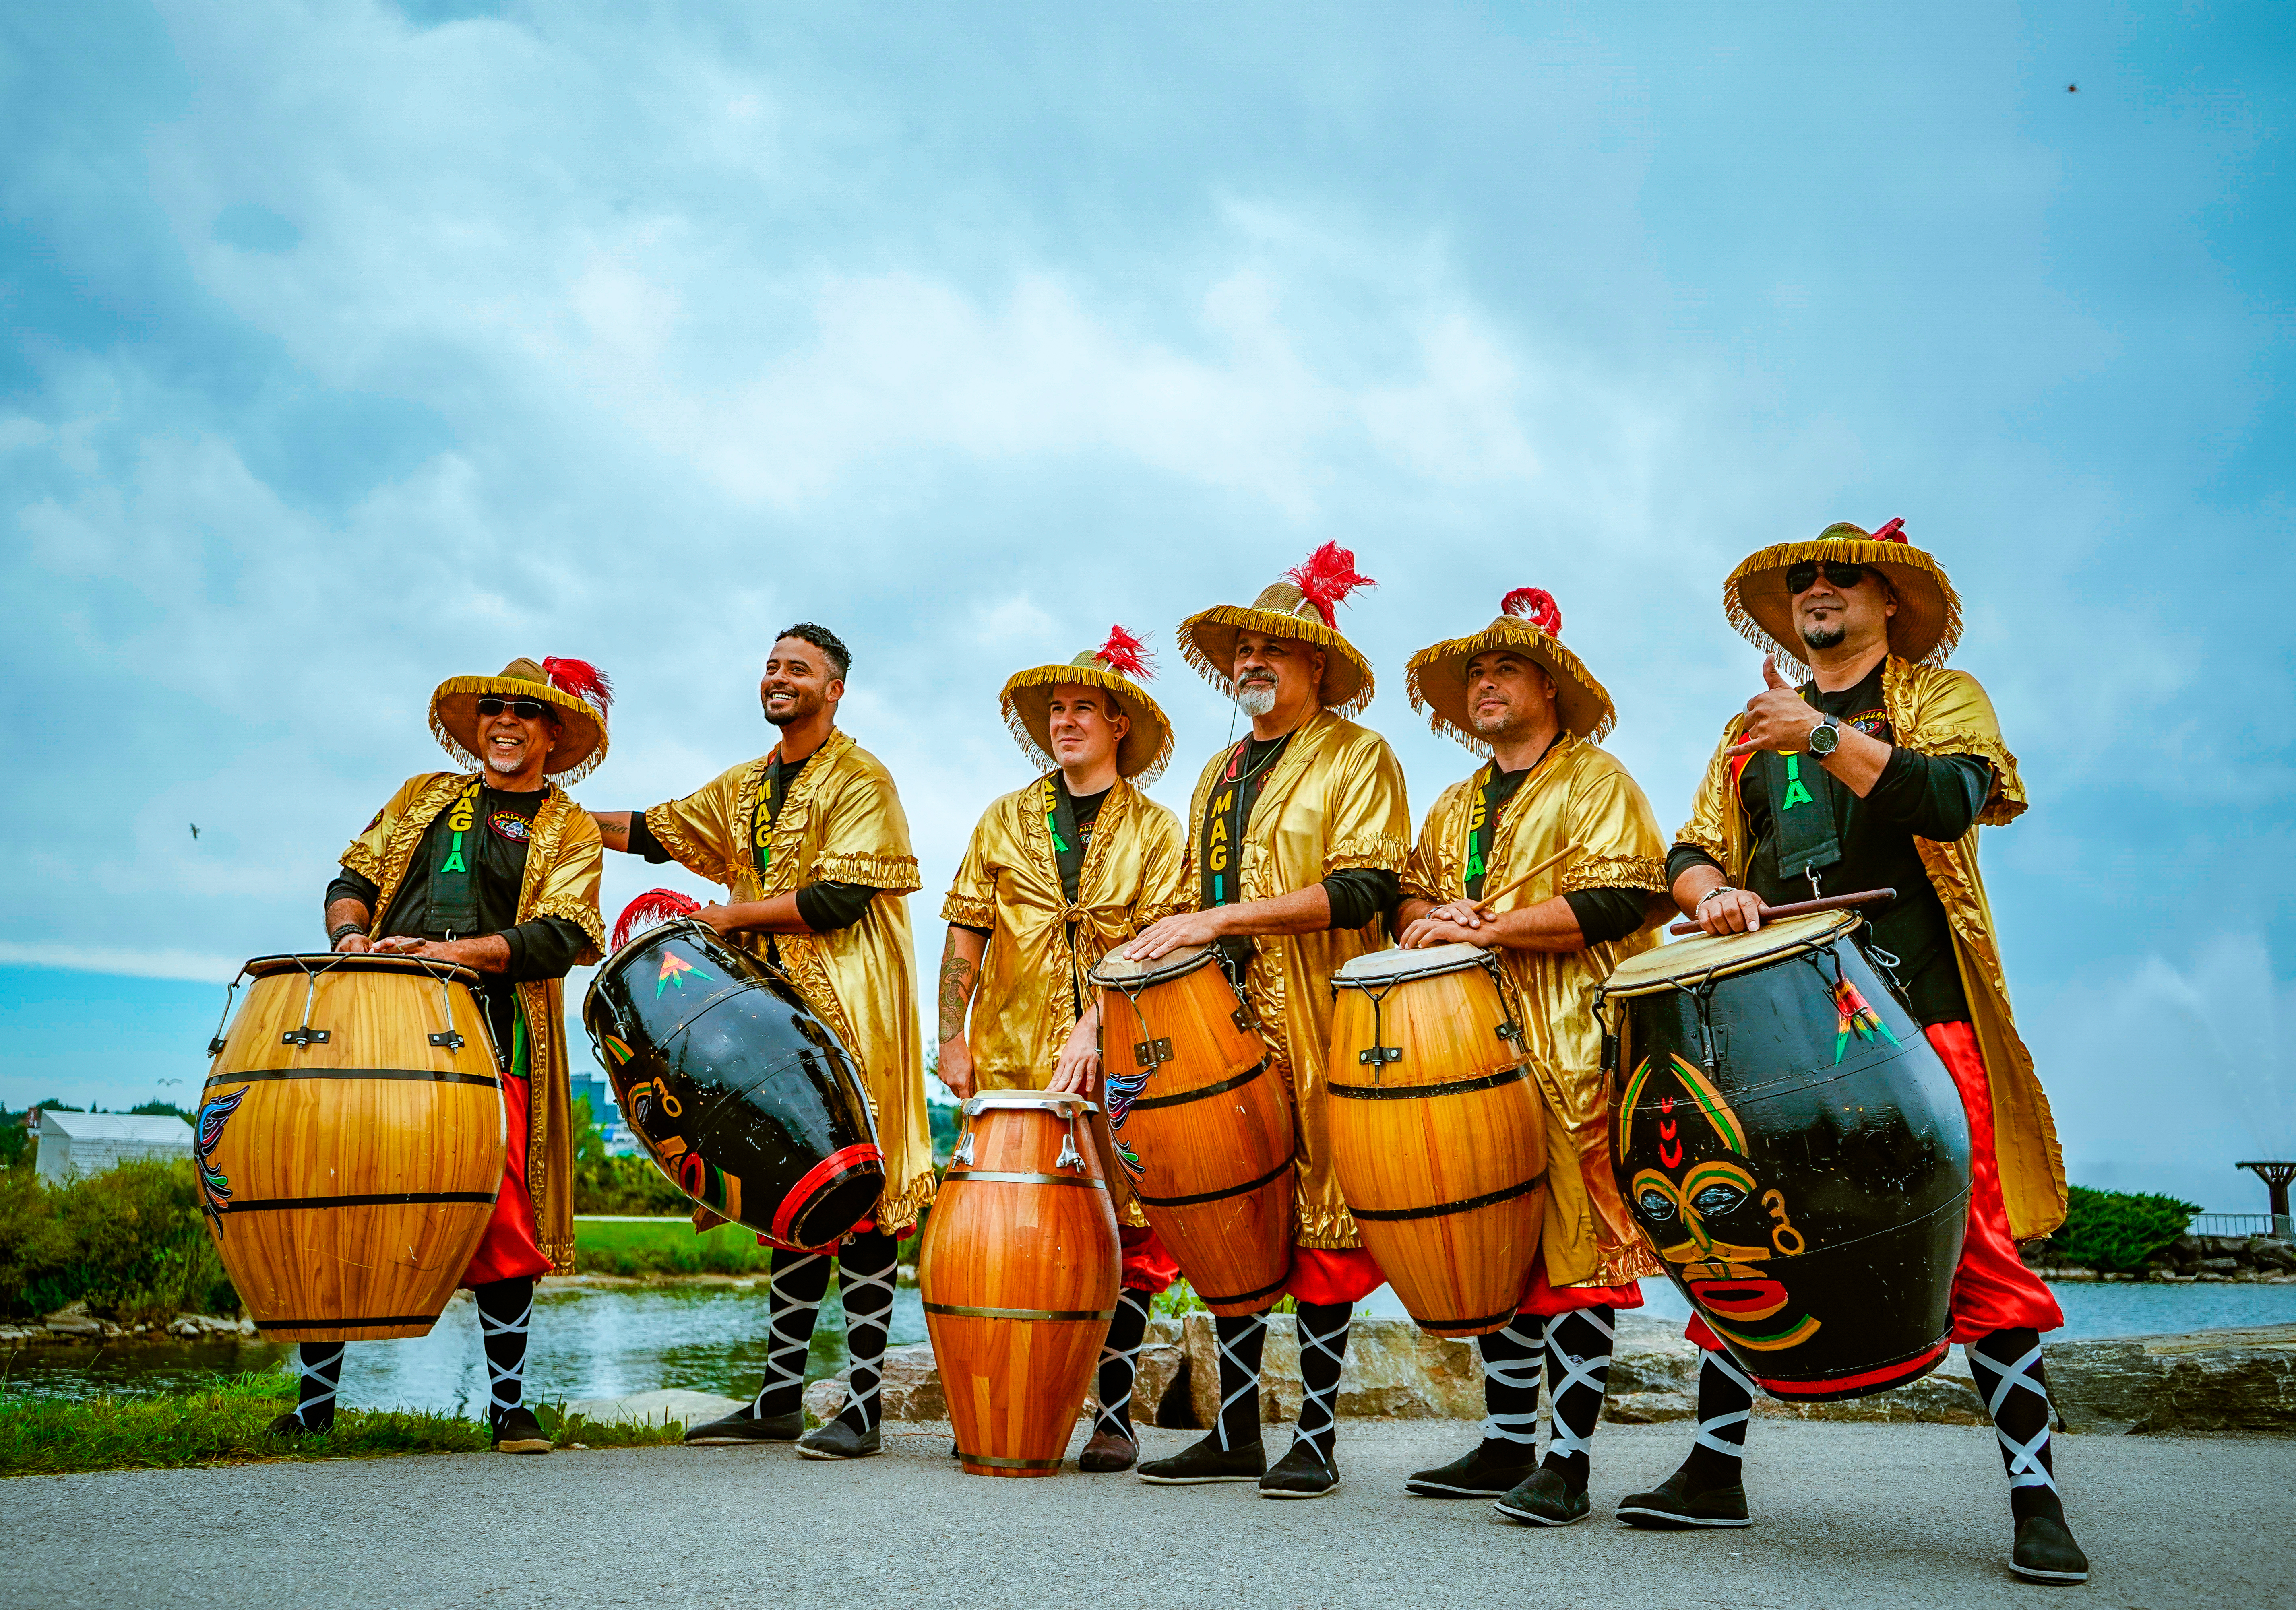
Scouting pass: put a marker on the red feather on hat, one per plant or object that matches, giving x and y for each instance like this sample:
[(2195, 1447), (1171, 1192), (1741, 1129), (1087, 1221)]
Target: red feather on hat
[(580, 678), (653, 906), (1127, 654), (1326, 579), (1894, 531), (1536, 605)]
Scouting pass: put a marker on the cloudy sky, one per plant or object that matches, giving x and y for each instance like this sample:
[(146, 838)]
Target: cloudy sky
[(353, 345)]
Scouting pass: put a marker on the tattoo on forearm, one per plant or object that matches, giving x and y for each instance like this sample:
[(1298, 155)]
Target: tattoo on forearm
[(617, 834), (957, 977)]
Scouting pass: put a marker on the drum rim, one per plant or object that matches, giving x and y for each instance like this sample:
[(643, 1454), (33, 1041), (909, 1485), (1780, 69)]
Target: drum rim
[(1174, 964), (1479, 956), (358, 961), (1829, 927), (1027, 1101)]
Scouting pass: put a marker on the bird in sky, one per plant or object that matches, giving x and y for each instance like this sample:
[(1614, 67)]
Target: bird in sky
[(195, 830)]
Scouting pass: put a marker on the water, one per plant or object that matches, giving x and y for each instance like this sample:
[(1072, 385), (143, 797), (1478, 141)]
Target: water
[(603, 1342)]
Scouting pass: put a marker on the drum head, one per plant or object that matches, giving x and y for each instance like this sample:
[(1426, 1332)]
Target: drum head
[(1705, 956), (1393, 966), (1119, 971), (328, 962), (1058, 1102)]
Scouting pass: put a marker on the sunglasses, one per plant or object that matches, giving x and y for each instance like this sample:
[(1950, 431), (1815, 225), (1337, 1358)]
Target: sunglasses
[(525, 709), (1803, 577)]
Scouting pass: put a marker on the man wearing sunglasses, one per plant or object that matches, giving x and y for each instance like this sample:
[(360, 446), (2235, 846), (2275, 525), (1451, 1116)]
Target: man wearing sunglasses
[(812, 845), (496, 868), (1877, 772)]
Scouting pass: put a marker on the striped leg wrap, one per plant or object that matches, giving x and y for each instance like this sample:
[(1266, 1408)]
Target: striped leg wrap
[(1241, 1338), (865, 1272), (2007, 1366), (1119, 1358), (1726, 1406), (1577, 1375), (793, 1292), (505, 1311), (319, 1371), (1323, 1354), (1510, 1381)]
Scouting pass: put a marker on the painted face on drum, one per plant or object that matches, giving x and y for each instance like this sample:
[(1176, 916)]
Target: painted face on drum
[(1829, 615), (1708, 1209), (1277, 676), (1085, 727), (799, 682), (511, 747), (1508, 695)]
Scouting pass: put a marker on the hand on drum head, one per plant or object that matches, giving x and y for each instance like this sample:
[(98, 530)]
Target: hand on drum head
[(1460, 922), (353, 944), (1732, 911), (1168, 934)]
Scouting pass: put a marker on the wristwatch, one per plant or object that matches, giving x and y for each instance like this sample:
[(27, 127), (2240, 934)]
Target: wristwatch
[(1826, 738)]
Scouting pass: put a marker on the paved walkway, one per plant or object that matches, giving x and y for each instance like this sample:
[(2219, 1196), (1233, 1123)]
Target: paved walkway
[(1846, 1515)]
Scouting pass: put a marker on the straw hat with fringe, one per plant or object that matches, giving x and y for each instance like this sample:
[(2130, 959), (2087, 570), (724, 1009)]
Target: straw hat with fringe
[(1530, 624), (1925, 629), (1300, 608), (578, 692), (1118, 668)]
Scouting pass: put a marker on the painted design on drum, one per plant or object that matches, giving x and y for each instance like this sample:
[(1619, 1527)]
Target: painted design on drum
[(1707, 1209), (647, 1097), (674, 970), (215, 1187), (1122, 1089), (619, 1050), (709, 1185), (1853, 1015)]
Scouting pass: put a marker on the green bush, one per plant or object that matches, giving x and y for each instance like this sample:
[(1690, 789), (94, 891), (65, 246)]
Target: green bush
[(2116, 1231), (617, 1185), (15, 1139), (128, 1242)]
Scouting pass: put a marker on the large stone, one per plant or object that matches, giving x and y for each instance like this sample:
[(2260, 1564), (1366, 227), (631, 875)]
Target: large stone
[(1394, 1370), (2208, 1380), (908, 1385)]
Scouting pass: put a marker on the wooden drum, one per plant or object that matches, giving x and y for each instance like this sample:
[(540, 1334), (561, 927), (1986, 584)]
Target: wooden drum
[(1203, 1131), (1437, 1137), (350, 1143), (1019, 1273)]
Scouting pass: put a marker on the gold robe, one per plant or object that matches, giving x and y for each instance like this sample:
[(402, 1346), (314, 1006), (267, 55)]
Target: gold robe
[(1334, 800), (1936, 711), (564, 862), (842, 822), (1578, 794)]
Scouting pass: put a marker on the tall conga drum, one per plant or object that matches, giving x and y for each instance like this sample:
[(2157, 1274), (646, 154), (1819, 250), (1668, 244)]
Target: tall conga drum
[(737, 1091), (1437, 1138), (1019, 1272), (350, 1143), (1794, 1149), (1199, 1123)]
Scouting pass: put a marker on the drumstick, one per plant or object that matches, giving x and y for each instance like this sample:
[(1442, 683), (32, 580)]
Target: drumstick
[(1803, 908), (1512, 885)]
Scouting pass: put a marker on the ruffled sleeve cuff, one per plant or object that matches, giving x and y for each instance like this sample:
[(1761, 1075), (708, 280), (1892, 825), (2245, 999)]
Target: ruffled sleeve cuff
[(661, 820), (894, 874), (965, 911)]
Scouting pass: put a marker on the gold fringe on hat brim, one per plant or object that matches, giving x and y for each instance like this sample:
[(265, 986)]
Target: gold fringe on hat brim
[(1145, 750), (577, 720), (1583, 703), (1341, 655), (1924, 630)]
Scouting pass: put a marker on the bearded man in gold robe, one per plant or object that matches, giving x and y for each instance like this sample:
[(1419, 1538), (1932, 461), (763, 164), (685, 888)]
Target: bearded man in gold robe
[(1550, 856), (1877, 772), (1056, 875), (1297, 838), (812, 846), (494, 868)]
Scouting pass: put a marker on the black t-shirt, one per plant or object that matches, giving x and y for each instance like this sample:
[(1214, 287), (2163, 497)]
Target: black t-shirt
[(495, 851), (1932, 796), (1602, 914), (826, 906)]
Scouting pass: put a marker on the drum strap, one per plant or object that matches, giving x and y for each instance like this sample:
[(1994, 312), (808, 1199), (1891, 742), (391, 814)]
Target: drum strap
[(453, 888), (1807, 839)]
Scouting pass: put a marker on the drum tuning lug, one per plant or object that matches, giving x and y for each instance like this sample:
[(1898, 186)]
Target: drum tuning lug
[(1151, 1053), (1241, 1016), (1509, 1030), (304, 1036), (449, 1041), (1070, 1157), (963, 1153), (214, 1048), (1609, 1053), (1375, 1055)]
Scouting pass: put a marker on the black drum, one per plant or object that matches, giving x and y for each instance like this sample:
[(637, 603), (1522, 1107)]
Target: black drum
[(741, 1095), (1795, 1151)]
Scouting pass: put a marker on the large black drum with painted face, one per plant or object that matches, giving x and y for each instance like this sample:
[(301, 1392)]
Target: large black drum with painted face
[(1795, 1151), (741, 1095)]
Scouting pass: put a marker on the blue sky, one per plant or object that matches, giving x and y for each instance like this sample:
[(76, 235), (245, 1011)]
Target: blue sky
[(356, 346)]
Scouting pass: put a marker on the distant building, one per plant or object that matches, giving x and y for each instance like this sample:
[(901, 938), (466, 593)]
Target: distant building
[(71, 1144), (619, 1141)]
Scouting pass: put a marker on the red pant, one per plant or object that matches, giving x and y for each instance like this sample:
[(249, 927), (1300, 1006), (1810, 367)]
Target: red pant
[(1346, 1274), (1147, 1266), (1546, 1301), (1992, 1289), (508, 1250)]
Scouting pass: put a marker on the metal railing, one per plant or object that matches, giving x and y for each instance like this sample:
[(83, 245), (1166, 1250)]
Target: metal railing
[(2230, 1224)]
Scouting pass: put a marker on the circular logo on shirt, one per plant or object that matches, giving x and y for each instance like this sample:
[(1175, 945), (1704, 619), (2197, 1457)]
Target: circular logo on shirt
[(511, 825)]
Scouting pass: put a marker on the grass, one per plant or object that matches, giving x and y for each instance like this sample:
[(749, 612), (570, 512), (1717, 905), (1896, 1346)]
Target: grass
[(666, 1247), (223, 1424)]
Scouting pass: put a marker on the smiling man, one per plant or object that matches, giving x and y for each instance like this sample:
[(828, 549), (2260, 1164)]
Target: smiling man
[(1877, 772), (496, 869), (1297, 840), (812, 846), (1548, 798), (1056, 875)]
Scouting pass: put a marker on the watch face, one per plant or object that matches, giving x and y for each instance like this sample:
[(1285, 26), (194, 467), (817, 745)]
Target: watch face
[(1825, 739)]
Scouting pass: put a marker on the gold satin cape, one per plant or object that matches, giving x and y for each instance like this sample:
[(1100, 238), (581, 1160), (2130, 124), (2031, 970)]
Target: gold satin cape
[(1936, 711), (842, 822), (564, 862), (1578, 794), (1334, 800)]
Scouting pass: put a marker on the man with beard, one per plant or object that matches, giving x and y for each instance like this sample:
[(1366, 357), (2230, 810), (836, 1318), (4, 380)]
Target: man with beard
[(495, 868), (812, 846), (1056, 875), (1298, 837), (1547, 798), (1877, 772)]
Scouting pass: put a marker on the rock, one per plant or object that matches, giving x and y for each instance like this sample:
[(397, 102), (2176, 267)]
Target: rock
[(656, 1407), (2266, 1254), (909, 1387), (184, 1327), (2240, 1379), (824, 1399), (1161, 1355), (74, 1320), (1394, 1370), (2218, 1266)]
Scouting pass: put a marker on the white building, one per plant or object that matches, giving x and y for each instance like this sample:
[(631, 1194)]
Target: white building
[(89, 1143)]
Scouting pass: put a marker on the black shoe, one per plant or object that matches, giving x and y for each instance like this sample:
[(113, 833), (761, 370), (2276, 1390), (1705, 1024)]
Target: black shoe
[(517, 1431), (1107, 1452), (292, 1425), (1207, 1461), (1302, 1474), (1544, 1498), (742, 1427), (1674, 1505), (1495, 1467), (2045, 1552), (838, 1441)]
